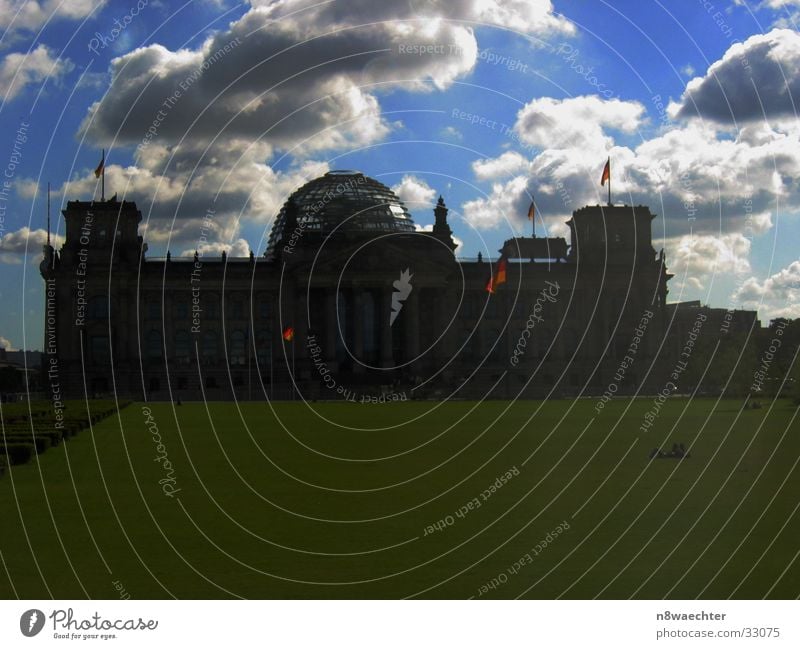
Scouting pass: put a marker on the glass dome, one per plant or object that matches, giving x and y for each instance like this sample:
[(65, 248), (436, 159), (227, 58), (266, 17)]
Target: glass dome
[(340, 202)]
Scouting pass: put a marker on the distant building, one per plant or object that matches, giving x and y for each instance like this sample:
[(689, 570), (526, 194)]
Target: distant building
[(352, 300)]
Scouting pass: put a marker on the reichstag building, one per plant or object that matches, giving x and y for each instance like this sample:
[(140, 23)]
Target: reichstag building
[(352, 301)]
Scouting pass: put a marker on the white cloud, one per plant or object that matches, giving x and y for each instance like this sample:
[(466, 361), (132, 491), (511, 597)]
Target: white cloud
[(31, 14), (451, 133), (502, 167), (577, 121), (700, 257), (697, 176), (776, 296), (17, 71), (15, 245), (5, 343), (232, 180), (26, 187), (238, 248), (415, 192), (500, 208)]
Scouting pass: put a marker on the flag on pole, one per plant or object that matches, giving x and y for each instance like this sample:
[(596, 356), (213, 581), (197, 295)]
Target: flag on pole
[(531, 212), (288, 334), (606, 173), (101, 168), (499, 276)]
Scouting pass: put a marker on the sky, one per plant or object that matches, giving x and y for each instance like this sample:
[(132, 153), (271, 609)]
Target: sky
[(215, 105)]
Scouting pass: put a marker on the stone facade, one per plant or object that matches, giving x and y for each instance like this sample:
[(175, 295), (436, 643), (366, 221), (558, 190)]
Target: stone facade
[(344, 306)]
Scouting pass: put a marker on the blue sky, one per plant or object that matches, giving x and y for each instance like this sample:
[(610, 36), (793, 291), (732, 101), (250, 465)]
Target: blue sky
[(553, 88)]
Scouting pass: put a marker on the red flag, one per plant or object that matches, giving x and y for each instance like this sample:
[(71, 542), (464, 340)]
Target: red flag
[(606, 173), (499, 276), (288, 334), (531, 212)]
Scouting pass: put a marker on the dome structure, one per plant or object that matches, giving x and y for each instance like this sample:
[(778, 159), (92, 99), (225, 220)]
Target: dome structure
[(340, 202)]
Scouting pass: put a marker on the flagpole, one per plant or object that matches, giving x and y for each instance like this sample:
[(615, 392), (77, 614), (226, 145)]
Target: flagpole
[(533, 217), (609, 181), (103, 178), (48, 213)]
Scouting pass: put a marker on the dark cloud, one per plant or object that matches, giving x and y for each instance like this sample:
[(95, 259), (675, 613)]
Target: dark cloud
[(755, 80)]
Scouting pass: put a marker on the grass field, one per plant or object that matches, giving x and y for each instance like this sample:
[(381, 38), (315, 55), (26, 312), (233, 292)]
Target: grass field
[(345, 501)]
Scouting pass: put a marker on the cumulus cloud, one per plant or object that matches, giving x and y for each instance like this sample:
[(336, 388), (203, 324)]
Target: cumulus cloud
[(777, 295), (5, 343), (302, 73), (238, 248), (697, 176), (699, 257), (17, 71), (415, 192), (755, 80), (174, 194), (15, 245), (31, 14), (508, 164), (577, 121)]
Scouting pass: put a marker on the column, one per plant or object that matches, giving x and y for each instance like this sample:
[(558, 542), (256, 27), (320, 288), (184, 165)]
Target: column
[(358, 330), (331, 328), (386, 353), (412, 305)]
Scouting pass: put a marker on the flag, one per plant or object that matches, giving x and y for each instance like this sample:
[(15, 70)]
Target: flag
[(606, 173), (288, 334), (499, 276), (531, 212), (101, 168)]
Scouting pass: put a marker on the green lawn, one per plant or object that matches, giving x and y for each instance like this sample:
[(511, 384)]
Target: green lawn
[(336, 504)]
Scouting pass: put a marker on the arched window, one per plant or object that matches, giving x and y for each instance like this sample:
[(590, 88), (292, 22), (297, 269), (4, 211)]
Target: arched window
[(182, 345), (237, 349), (153, 310), (263, 350), (236, 308), (263, 307), (208, 348), (153, 344)]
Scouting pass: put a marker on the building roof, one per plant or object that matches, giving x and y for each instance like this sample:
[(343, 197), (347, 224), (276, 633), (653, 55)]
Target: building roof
[(340, 202)]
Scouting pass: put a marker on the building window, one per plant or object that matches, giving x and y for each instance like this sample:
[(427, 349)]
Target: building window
[(237, 309), (208, 348), (153, 344), (182, 345), (238, 348), (98, 348), (211, 306), (153, 310), (263, 350), (98, 307)]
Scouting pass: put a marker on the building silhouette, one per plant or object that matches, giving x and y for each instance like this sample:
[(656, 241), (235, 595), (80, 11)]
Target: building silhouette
[(352, 300)]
